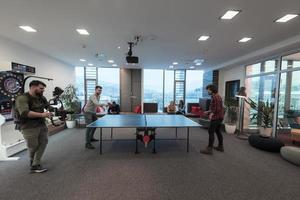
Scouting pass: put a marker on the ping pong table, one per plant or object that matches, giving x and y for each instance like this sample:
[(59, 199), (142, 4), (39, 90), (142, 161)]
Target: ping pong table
[(143, 121)]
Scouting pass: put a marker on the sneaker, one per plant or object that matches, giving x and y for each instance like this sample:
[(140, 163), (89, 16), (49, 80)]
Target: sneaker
[(37, 169), (208, 151), (219, 148), (89, 146), (94, 140)]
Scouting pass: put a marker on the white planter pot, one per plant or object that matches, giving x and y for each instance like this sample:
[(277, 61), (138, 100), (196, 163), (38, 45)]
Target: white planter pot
[(230, 128), (265, 132), (71, 124)]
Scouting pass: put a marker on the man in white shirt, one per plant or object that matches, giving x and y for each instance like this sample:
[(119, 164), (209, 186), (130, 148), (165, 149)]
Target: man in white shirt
[(90, 116)]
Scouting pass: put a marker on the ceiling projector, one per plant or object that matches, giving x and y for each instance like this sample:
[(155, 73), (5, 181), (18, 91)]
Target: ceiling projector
[(129, 58)]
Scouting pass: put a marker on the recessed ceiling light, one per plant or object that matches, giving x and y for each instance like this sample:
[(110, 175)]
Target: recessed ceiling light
[(245, 39), (198, 61), (175, 63), (286, 18), (171, 66), (203, 37), (119, 47), (28, 28), (82, 60), (115, 65), (90, 64), (110, 61), (82, 31), (192, 67), (230, 14)]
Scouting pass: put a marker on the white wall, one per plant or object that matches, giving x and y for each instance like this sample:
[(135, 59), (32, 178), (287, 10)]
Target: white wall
[(230, 74), (46, 66)]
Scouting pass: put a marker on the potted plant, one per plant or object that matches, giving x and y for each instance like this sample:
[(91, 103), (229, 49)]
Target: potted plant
[(265, 118), (71, 104), (231, 109)]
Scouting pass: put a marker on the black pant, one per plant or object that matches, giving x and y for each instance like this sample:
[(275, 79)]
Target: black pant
[(89, 118), (215, 126)]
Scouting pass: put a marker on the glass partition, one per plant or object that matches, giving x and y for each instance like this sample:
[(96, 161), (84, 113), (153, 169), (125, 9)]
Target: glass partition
[(169, 87), (153, 87), (288, 122), (109, 79), (194, 86)]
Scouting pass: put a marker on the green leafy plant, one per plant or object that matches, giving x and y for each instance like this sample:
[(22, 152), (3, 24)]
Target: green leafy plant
[(70, 101), (264, 115), (231, 107)]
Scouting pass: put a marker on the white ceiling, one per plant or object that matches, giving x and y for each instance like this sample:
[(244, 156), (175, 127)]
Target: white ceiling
[(175, 26)]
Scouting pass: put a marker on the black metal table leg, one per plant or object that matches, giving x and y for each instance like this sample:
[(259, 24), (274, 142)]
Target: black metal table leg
[(136, 143), (154, 147), (176, 132), (188, 139), (111, 133), (100, 141)]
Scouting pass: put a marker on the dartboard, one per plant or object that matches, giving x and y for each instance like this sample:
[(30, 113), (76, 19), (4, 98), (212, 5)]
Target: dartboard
[(10, 84)]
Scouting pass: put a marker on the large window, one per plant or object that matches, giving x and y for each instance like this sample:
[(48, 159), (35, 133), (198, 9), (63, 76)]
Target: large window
[(88, 77), (291, 61), (253, 69), (207, 79), (289, 98), (79, 73), (263, 67), (261, 81), (153, 87), (194, 87), (90, 81), (160, 86), (109, 79), (260, 87), (179, 85), (164, 86), (169, 87)]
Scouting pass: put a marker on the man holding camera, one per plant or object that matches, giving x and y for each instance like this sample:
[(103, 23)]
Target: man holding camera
[(30, 107)]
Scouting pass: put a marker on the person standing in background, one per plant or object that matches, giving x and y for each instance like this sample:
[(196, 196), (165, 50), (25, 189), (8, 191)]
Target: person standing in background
[(114, 108), (215, 115), (242, 92), (181, 108), (90, 116), (171, 109)]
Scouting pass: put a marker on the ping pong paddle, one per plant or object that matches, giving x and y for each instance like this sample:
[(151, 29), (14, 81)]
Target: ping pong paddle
[(146, 139)]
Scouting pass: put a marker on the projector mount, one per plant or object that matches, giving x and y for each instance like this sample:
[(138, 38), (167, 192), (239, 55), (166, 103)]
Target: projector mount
[(130, 48), (136, 40)]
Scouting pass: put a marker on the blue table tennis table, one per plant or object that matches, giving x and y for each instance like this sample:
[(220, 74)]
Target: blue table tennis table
[(144, 121)]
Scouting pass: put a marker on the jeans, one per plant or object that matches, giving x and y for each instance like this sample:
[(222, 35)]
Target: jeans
[(215, 126), (89, 118)]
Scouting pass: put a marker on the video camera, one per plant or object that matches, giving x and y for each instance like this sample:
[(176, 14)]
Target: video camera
[(56, 105)]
